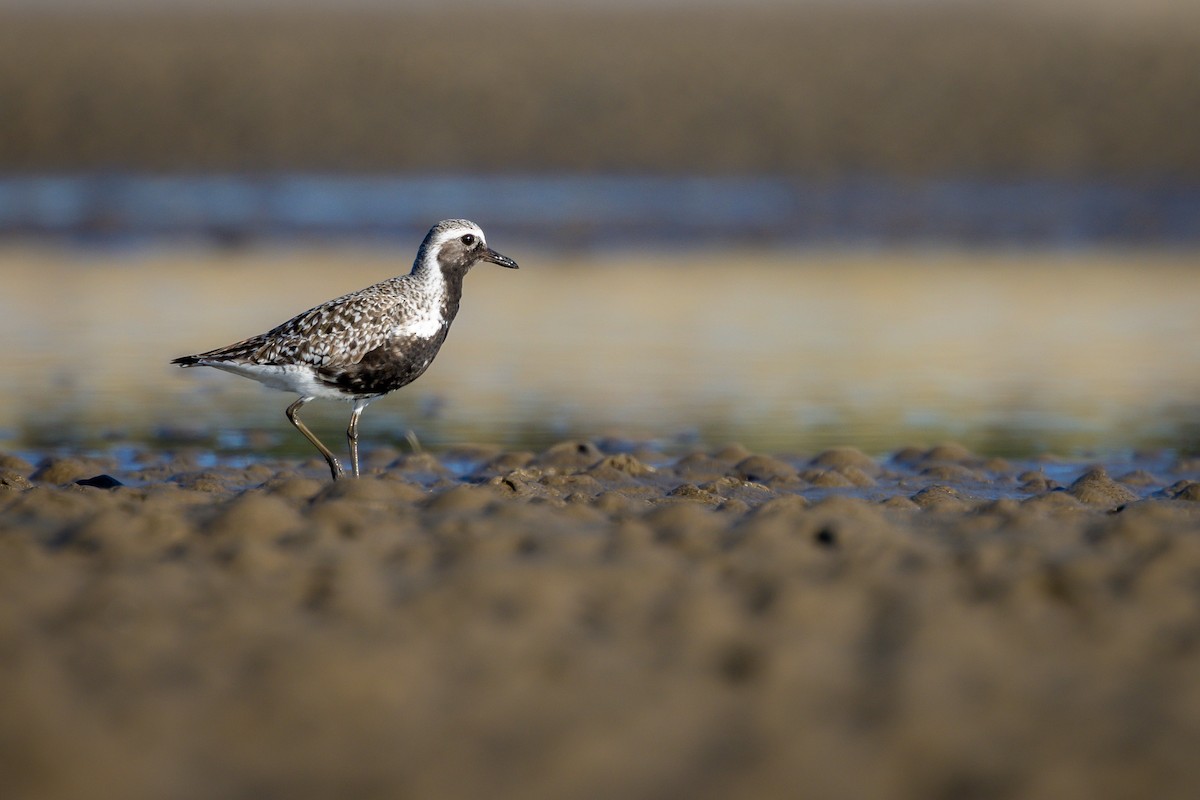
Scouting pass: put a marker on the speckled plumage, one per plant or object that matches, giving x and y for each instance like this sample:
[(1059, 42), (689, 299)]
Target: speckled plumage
[(368, 343)]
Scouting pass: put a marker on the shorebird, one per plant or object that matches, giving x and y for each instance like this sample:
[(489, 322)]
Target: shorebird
[(365, 344)]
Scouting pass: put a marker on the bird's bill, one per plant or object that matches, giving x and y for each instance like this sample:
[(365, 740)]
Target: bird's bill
[(494, 257)]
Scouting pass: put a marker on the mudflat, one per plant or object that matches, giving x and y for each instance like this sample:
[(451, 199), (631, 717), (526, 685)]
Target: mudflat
[(599, 619)]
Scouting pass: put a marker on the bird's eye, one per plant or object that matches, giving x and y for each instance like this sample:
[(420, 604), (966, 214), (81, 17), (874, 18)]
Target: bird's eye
[(468, 239)]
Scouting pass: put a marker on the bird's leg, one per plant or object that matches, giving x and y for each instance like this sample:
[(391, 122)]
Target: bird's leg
[(352, 434), (410, 436), (334, 466)]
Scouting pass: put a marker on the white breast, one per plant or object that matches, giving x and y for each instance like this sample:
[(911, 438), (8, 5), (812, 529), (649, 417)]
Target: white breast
[(421, 323)]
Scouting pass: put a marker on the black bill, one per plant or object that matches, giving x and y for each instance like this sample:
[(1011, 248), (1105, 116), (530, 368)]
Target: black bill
[(491, 255)]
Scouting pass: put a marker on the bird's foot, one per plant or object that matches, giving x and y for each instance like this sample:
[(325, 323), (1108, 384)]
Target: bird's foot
[(336, 468)]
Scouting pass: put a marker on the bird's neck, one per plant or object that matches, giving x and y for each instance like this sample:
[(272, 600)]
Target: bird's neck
[(440, 283), (451, 294)]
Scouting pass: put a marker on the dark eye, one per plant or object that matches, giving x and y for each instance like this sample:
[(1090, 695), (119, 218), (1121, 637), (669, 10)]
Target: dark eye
[(468, 239)]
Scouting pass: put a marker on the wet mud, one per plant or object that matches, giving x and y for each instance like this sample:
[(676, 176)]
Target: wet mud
[(600, 620)]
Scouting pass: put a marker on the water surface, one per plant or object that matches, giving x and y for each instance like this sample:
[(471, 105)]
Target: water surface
[(784, 351), (603, 210)]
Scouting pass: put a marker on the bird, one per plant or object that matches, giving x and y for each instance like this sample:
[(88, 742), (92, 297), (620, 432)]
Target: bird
[(366, 344)]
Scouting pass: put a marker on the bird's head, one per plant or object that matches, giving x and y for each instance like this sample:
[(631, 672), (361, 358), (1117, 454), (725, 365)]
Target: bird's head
[(457, 245)]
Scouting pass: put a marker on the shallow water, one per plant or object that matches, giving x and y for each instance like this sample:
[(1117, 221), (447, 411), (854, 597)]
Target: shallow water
[(1084, 354), (602, 210)]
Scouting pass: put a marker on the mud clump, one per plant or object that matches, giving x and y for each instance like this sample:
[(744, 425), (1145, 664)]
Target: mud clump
[(68, 470), (1096, 488)]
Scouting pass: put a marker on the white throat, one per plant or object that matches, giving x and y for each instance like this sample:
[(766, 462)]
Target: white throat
[(422, 317), (427, 272)]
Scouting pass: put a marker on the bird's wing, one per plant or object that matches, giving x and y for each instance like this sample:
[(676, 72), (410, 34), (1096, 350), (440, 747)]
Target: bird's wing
[(340, 331)]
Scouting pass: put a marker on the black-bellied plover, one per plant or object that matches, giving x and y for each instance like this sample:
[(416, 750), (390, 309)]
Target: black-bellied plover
[(363, 345)]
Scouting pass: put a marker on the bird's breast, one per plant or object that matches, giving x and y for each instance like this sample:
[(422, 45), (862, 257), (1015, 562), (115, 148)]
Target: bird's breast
[(424, 324), (386, 368)]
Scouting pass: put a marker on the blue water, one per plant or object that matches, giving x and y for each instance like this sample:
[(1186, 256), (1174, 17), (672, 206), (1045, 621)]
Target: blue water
[(600, 211)]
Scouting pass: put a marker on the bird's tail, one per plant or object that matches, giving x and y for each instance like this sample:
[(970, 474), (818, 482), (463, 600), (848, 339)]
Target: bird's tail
[(186, 361)]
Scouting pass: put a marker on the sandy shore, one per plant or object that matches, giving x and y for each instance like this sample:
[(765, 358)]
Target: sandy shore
[(601, 621)]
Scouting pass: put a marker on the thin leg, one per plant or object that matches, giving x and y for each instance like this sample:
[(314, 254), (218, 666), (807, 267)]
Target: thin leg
[(334, 466), (410, 436), (352, 433)]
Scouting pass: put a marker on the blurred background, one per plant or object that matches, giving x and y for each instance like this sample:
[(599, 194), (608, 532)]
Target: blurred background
[(871, 223)]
